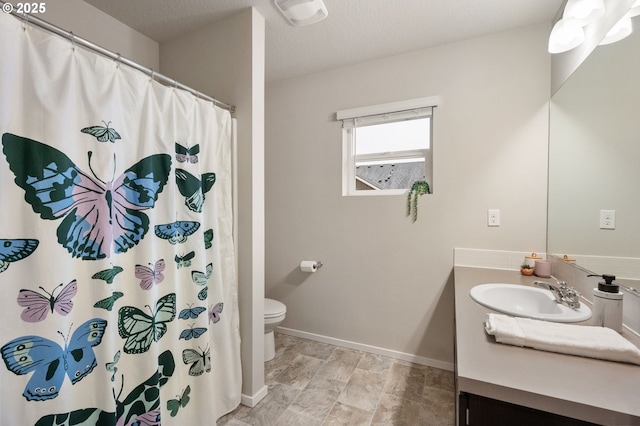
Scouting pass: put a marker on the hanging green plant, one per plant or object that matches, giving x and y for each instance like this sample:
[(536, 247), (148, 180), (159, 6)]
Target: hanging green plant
[(419, 187)]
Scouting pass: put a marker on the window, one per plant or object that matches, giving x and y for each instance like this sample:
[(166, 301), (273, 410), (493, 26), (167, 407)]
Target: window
[(386, 148)]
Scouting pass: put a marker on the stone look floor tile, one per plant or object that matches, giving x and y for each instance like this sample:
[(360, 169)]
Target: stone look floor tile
[(396, 411), (233, 422), (317, 399), (317, 349), (292, 418), (372, 362), (364, 389), (270, 408), (438, 406), (441, 379), (273, 368), (299, 372), (340, 365), (312, 384), (348, 416), (406, 381)]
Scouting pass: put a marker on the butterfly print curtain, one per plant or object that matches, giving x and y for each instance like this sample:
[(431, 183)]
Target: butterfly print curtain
[(117, 269)]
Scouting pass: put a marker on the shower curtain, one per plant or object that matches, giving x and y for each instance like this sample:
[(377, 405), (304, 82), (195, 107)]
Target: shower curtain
[(117, 271)]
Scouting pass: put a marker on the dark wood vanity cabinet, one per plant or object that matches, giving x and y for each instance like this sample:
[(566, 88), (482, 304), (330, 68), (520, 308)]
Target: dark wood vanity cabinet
[(474, 410)]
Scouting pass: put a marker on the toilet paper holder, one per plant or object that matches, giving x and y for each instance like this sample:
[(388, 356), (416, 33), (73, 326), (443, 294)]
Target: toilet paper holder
[(310, 265)]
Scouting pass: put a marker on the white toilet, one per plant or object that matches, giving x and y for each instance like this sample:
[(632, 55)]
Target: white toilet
[(274, 313)]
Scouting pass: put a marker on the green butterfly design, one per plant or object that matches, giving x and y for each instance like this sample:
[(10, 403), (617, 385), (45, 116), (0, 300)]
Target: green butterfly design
[(194, 188), (108, 274), (102, 134), (109, 301), (173, 405), (141, 406), (208, 238), (141, 329)]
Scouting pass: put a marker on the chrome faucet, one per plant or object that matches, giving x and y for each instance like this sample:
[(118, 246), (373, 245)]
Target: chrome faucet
[(565, 295)]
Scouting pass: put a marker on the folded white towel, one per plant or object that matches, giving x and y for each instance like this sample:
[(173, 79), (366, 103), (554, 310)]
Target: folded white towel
[(581, 340)]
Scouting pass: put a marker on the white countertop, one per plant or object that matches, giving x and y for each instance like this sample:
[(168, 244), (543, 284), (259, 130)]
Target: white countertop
[(588, 389)]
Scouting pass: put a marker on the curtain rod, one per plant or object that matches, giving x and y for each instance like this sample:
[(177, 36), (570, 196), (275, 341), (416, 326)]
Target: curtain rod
[(28, 18)]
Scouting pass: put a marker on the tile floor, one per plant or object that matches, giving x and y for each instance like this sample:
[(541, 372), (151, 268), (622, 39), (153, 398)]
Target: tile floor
[(312, 383)]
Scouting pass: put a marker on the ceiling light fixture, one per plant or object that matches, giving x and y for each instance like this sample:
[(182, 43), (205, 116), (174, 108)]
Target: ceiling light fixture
[(302, 12)]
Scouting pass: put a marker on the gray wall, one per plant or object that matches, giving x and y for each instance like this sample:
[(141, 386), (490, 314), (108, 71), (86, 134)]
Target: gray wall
[(387, 282), (97, 27)]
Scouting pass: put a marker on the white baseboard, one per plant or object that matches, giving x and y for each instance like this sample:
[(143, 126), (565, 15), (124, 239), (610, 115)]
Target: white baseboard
[(252, 400), (368, 348)]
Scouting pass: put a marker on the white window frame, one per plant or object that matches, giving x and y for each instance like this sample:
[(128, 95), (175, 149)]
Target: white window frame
[(377, 114)]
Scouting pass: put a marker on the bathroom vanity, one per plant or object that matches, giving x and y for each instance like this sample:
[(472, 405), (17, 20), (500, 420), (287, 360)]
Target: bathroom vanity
[(504, 384)]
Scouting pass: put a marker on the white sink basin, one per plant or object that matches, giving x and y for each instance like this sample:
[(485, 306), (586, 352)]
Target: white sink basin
[(528, 302)]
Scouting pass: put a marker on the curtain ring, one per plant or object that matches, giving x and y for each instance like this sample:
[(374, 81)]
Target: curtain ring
[(26, 21), (118, 59), (72, 36), (152, 75)]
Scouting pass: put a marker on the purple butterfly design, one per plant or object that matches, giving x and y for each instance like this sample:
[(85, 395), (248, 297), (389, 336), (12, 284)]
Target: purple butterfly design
[(37, 306), (150, 418), (214, 313), (98, 217), (148, 277)]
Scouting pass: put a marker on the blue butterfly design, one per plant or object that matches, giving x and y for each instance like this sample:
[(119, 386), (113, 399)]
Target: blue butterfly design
[(98, 217), (193, 332), (191, 313), (178, 231), (14, 250), (50, 362)]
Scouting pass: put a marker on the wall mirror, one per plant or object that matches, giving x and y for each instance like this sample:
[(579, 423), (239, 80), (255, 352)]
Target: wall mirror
[(594, 162)]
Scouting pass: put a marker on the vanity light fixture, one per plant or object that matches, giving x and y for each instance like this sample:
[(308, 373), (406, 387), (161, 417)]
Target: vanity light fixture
[(565, 35), (583, 12), (623, 28), (302, 12), (568, 32), (635, 9)]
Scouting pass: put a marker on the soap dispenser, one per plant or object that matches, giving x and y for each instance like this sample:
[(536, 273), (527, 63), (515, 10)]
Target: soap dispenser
[(607, 303)]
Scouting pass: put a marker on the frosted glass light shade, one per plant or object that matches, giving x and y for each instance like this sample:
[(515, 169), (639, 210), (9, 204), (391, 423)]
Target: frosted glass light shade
[(565, 35), (635, 9), (583, 12), (302, 12), (622, 29)]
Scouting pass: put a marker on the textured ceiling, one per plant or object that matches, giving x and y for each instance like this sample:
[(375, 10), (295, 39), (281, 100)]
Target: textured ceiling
[(355, 30)]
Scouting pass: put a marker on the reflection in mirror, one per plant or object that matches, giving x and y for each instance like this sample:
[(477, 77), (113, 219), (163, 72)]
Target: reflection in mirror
[(594, 162)]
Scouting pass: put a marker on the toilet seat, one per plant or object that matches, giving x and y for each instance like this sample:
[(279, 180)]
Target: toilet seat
[(273, 308)]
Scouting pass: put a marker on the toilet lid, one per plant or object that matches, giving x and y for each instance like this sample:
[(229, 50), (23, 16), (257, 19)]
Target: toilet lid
[(273, 308)]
